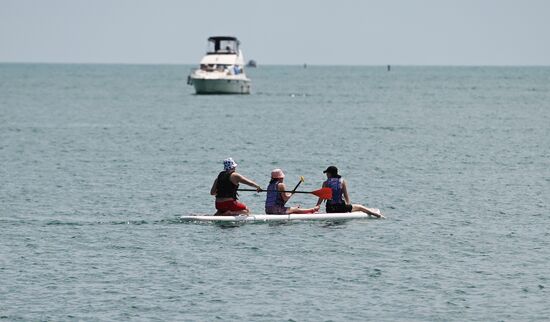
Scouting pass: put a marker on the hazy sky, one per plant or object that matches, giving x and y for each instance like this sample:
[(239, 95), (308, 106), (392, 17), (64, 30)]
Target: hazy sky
[(405, 32)]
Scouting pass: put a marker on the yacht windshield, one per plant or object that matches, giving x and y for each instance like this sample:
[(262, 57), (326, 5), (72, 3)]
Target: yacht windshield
[(222, 46)]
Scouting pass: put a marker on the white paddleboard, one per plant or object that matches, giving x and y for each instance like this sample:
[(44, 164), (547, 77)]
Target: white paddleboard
[(260, 218)]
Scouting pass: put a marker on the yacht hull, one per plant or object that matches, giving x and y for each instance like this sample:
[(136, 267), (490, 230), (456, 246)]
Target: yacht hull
[(221, 86)]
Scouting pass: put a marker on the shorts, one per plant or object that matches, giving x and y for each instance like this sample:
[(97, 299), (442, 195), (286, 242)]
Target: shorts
[(342, 207), (230, 205), (276, 210)]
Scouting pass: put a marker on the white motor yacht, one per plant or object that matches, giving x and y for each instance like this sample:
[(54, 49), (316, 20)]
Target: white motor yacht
[(221, 70)]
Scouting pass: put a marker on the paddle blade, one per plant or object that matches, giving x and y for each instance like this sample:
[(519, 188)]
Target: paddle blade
[(323, 193)]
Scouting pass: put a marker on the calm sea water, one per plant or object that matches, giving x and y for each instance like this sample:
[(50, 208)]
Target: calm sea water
[(98, 161)]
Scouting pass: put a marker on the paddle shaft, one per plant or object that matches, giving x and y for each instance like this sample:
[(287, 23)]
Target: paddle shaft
[(299, 182), (291, 191), (323, 193)]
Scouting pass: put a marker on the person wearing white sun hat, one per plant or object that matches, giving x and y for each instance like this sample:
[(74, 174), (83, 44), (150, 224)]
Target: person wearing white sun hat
[(276, 197), (225, 189)]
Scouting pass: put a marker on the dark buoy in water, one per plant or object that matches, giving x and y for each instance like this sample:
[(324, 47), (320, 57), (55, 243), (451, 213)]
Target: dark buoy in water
[(305, 65), (389, 68)]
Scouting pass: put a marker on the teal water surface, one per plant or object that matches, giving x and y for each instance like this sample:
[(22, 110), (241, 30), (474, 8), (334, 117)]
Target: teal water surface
[(98, 162)]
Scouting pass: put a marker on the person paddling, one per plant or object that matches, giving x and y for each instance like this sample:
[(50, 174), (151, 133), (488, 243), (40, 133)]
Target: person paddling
[(225, 189), (276, 197), (339, 189)]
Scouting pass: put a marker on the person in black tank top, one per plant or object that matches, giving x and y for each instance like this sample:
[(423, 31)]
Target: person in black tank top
[(225, 189), (340, 191)]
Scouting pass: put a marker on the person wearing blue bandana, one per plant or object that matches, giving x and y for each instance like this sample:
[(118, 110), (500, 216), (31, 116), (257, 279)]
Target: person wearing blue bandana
[(225, 189)]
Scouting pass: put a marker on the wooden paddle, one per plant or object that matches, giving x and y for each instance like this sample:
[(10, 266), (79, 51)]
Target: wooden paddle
[(323, 193)]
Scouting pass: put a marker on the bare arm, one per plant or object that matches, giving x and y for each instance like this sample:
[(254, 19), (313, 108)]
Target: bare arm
[(214, 188), (284, 195), (345, 191), (237, 178)]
